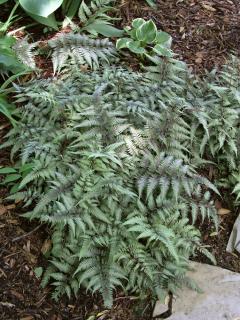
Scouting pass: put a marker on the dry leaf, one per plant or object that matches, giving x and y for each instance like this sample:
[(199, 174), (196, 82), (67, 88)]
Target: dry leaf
[(2, 273), (218, 204), (198, 60), (7, 304), (16, 294), (181, 29), (27, 318), (2, 209), (223, 211), (208, 7), (200, 54), (11, 206), (213, 234), (12, 262), (13, 221), (27, 246), (46, 246), (30, 258)]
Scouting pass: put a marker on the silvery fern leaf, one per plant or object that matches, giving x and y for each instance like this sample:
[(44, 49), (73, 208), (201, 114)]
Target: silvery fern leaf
[(80, 50), (25, 52)]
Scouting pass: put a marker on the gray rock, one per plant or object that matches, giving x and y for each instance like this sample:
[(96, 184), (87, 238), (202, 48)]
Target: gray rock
[(234, 240), (160, 308), (220, 299)]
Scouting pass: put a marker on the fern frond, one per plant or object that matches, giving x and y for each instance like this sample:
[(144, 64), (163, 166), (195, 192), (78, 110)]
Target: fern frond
[(80, 50), (25, 52)]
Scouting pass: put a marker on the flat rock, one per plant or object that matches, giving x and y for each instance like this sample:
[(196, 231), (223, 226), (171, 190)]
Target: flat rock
[(220, 299)]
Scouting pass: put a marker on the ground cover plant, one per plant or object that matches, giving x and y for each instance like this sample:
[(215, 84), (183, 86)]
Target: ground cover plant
[(116, 161)]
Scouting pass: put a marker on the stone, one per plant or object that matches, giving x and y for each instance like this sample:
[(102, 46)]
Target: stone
[(160, 308), (220, 299), (234, 240)]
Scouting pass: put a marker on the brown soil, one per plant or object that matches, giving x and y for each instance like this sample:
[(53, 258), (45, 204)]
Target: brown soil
[(204, 33)]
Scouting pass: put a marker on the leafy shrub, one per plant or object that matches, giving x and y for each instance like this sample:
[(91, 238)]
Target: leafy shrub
[(113, 160)]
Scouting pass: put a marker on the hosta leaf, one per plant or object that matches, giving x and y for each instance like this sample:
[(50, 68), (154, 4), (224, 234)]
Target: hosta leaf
[(122, 43), (163, 51), (163, 37), (49, 21), (147, 32), (136, 23), (135, 46), (42, 8)]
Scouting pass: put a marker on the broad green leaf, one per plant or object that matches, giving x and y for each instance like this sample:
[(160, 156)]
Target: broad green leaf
[(163, 51), (11, 178), (71, 7), (147, 32), (50, 21), (10, 63), (122, 43), (42, 8), (135, 47), (136, 23), (163, 37), (7, 170), (7, 109), (104, 29), (7, 42), (3, 1)]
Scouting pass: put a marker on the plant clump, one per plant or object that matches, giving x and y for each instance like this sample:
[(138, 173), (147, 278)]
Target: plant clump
[(115, 163)]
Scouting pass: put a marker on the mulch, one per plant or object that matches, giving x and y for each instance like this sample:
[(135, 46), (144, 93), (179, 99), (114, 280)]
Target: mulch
[(204, 34)]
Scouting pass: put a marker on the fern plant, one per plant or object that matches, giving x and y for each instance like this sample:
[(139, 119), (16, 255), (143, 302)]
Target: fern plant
[(113, 170)]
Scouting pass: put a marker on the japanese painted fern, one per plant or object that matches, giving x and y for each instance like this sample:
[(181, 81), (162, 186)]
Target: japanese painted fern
[(115, 160)]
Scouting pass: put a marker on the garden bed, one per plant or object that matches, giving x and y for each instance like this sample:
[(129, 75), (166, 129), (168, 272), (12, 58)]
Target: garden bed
[(204, 32)]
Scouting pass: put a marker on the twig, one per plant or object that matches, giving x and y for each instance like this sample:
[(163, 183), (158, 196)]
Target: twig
[(26, 234)]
